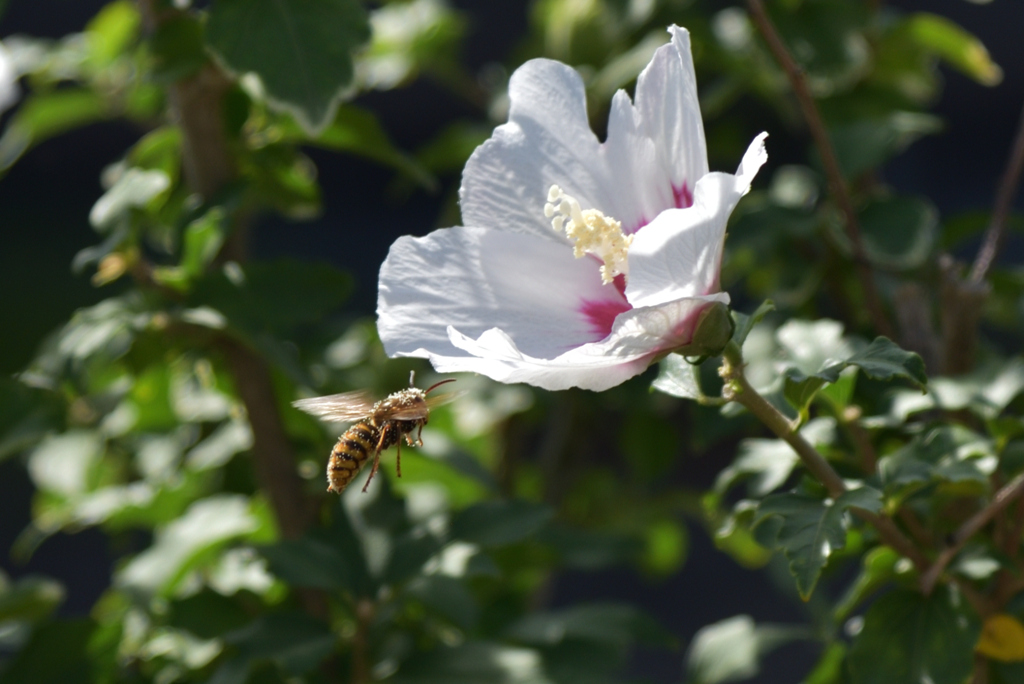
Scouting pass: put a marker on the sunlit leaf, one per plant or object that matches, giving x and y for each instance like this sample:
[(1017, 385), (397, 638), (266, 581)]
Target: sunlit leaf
[(30, 599), (301, 50), (731, 650), (135, 188), (678, 377), (952, 43), (42, 116), (811, 529), (206, 525), (62, 463)]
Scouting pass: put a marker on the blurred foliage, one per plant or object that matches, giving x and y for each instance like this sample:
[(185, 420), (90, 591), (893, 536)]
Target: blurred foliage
[(162, 415)]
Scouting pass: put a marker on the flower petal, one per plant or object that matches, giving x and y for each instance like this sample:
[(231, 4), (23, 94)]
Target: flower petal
[(679, 253), (642, 189), (639, 337), (547, 141), (666, 100), (475, 278)]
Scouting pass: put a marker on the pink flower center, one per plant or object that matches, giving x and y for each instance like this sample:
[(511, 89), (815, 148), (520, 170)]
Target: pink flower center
[(601, 313)]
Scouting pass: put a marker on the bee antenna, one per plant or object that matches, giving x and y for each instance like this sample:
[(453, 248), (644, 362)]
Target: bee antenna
[(438, 384)]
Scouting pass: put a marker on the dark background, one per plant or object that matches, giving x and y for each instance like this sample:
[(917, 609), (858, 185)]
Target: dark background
[(45, 200)]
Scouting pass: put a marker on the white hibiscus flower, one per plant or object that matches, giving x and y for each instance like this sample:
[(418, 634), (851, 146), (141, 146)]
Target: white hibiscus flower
[(581, 262)]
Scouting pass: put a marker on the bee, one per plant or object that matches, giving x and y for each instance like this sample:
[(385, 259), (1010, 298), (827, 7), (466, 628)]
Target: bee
[(378, 425)]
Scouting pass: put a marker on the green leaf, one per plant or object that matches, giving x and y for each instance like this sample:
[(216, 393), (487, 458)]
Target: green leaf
[(111, 33), (811, 529), (273, 296), (866, 144), (732, 649), (986, 391), (447, 597), (830, 667), (814, 351), (201, 243), (301, 50), (136, 188), (884, 360), (473, 662), (770, 461), (308, 562), (947, 454), (206, 526), (30, 599), (952, 43), (612, 624), (63, 463), (666, 543), (27, 415), (899, 232), (208, 614), (410, 37), (409, 552), (678, 377), (294, 641), (42, 116), (37, 661), (834, 50), (497, 523), (590, 549), (357, 131), (878, 569), (283, 179), (909, 638), (744, 323), (177, 48)]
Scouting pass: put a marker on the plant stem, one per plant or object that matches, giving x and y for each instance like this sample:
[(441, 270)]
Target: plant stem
[(196, 105), (365, 611), (738, 389), (1001, 210), (837, 186), (1001, 500)]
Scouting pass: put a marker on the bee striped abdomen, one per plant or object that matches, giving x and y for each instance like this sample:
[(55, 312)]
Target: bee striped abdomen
[(350, 453)]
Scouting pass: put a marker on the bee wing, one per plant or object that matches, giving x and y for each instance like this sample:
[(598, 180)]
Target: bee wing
[(346, 407), (432, 402)]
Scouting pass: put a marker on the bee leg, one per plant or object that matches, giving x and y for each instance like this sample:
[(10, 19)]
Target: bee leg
[(376, 457), (419, 433), (398, 457)]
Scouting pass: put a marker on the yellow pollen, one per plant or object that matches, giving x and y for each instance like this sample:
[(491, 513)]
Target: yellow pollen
[(591, 231)]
